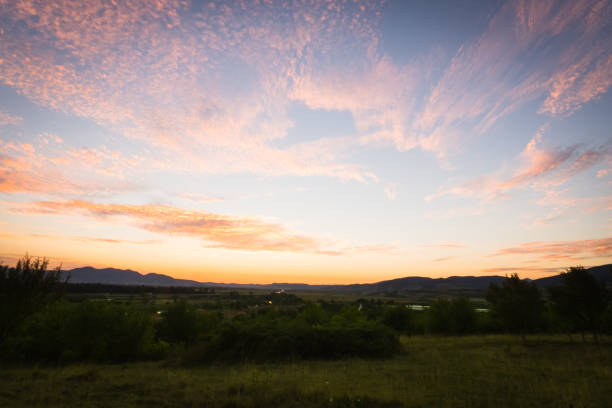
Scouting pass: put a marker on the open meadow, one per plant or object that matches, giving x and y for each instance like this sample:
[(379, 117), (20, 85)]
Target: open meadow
[(471, 371)]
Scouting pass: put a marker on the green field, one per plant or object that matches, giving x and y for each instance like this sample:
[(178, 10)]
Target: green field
[(474, 371)]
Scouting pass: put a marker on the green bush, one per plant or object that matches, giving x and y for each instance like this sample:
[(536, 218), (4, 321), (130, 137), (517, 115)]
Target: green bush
[(26, 289), (85, 331), (456, 316), (398, 318), (179, 323), (265, 339)]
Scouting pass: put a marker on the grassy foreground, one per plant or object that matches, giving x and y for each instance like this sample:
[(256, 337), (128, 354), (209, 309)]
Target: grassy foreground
[(496, 371)]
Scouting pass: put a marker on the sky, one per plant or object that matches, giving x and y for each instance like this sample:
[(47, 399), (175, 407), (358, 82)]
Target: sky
[(333, 141)]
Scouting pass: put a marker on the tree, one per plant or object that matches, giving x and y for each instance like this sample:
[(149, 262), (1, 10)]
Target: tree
[(456, 316), (25, 289), (463, 315), (579, 301), (517, 304), (440, 318), (398, 318)]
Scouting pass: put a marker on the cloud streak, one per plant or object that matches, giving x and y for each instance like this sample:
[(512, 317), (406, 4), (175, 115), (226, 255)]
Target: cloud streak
[(220, 231), (561, 250)]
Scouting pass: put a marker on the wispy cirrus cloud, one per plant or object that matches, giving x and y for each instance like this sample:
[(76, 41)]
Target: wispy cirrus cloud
[(483, 82), (561, 250), (563, 205), (539, 167), (488, 79)]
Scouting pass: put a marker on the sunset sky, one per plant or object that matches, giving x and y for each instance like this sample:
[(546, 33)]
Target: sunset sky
[(307, 141)]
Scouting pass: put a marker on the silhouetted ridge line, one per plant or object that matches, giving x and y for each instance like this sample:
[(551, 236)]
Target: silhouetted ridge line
[(115, 276)]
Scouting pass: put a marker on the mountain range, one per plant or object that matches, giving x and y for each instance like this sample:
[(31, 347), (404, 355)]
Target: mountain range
[(114, 276)]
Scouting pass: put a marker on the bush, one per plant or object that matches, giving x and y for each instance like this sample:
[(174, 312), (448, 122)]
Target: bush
[(463, 316), (398, 318), (440, 318), (264, 339), (85, 331), (26, 289), (179, 323), (456, 316)]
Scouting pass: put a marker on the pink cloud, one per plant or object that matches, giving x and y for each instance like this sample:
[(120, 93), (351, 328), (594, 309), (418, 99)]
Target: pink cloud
[(562, 250), (578, 85), (8, 119), (540, 168), (27, 168), (155, 70), (488, 79), (221, 231)]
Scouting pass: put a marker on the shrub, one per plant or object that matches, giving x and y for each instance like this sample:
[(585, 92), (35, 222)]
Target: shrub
[(85, 331), (179, 323), (25, 289), (440, 318), (261, 339), (463, 316), (398, 318)]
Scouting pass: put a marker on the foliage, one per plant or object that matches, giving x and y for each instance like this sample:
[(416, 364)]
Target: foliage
[(398, 318), (314, 314), (25, 289), (440, 318), (580, 301), (179, 323), (456, 316), (264, 338), (85, 331), (517, 304)]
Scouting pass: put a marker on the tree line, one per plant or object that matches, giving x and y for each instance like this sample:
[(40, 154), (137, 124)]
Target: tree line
[(38, 324)]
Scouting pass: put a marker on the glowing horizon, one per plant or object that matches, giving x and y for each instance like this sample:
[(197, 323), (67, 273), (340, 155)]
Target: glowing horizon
[(311, 141)]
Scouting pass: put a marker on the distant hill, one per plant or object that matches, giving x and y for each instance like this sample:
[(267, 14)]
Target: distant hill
[(114, 276), (413, 283)]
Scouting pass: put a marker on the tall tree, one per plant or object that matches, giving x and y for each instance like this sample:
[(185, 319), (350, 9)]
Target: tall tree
[(517, 304), (579, 301)]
